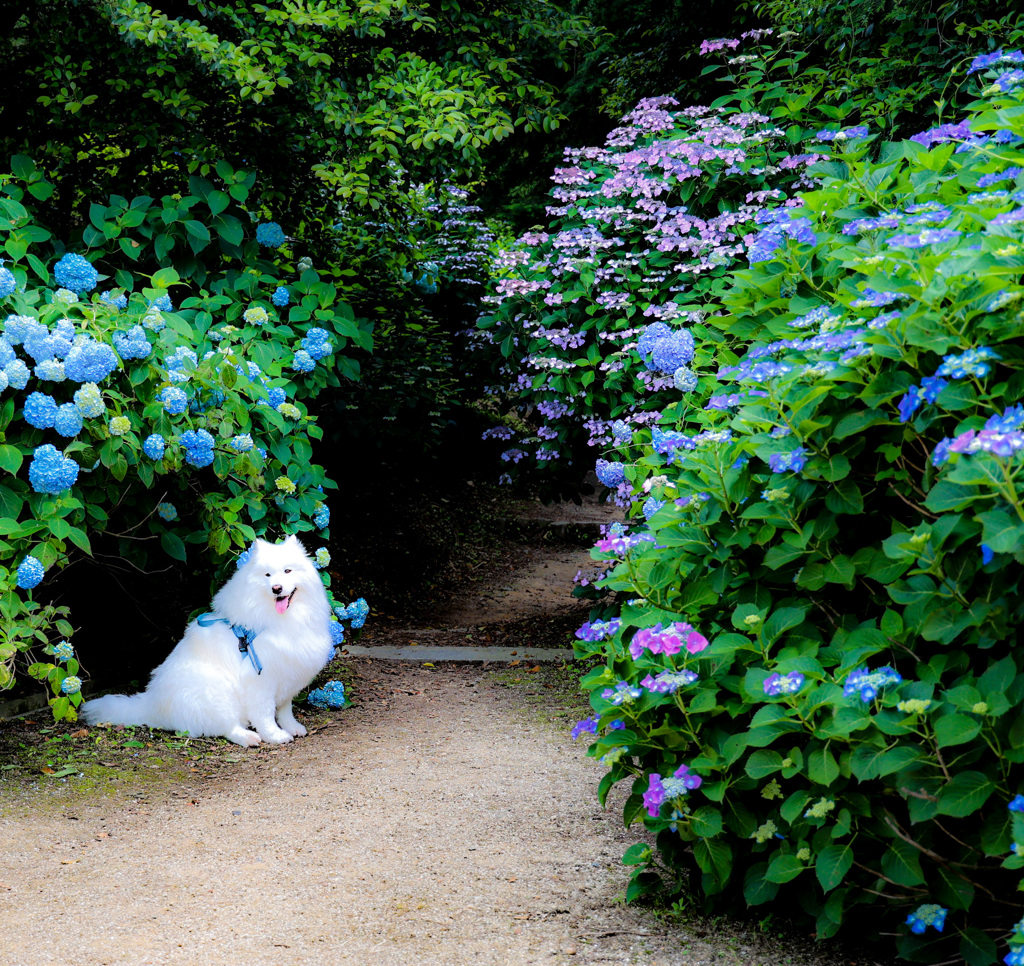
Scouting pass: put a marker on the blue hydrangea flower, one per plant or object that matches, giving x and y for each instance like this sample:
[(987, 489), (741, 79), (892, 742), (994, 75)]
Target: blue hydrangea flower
[(793, 460), (162, 304), (50, 370), (174, 399), (68, 421), (63, 651), (18, 373), (276, 395), (671, 352), (317, 343), (270, 235), (75, 273), (927, 915), (281, 297), (652, 506), (198, 445), (985, 61), (1017, 805), (337, 632), (30, 573), (154, 446), (91, 361), (651, 334), (40, 410), (355, 613), (594, 631), (586, 726), (866, 684), (321, 516), (72, 684), (303, 362), (331, 695), (7, 353), (132, 344), (610, 474), (684, 379), (118, 301), (168, 512), (89, 400), (776, 684), (973, 362), (322, 558), (8, 283), (241, 443)]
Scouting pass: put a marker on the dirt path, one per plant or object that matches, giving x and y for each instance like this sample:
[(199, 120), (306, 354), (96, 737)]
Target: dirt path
[(445, 819)]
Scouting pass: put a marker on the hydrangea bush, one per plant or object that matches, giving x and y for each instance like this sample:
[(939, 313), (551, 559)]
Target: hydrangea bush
[(808, 627), (128, 419), (602, 317)]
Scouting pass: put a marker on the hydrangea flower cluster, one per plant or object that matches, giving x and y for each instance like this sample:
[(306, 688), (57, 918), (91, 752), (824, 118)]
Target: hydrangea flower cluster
[(1002, 435), (667, 640), (355, 613), (75, 273), (154, 446), (72, 684), (777, 226), (174, 400), (622, 693), (599, 630), (167, 512), (331, 695), (198, 446), (668, 682), (132, 344), (776, 684), (661, 790), (794, 461), (866, 684), (927, 915), (30, 573), (51, 471), (270, 235)]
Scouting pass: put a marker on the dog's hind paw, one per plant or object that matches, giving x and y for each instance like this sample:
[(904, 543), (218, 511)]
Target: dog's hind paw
[(243, 737)]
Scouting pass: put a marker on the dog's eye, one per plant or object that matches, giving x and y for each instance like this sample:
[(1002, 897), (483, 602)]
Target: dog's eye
[(288, 570), (266, 575)]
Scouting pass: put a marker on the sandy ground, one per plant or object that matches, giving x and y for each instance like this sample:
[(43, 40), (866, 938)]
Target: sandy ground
[(455, 824)]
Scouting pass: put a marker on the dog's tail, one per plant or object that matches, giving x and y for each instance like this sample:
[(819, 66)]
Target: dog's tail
[(118, 709)]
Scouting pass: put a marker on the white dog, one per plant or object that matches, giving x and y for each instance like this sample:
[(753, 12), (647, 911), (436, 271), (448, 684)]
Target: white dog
[(242, 665)]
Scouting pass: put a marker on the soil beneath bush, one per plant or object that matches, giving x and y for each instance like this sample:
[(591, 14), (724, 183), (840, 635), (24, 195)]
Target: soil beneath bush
[(444, 818)]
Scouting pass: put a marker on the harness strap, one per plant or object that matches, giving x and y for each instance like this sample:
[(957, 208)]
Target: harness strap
[(244, 635)]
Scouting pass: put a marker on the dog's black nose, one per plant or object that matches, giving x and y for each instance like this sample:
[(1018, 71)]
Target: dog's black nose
[(277, 588)]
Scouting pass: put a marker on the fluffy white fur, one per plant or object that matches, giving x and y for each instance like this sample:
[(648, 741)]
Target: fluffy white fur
[(208, 687)]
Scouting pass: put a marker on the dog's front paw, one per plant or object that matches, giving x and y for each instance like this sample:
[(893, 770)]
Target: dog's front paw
[(276, 737), (295, 729)]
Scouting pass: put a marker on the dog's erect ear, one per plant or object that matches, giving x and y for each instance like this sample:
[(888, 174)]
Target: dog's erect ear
[(291, 539)]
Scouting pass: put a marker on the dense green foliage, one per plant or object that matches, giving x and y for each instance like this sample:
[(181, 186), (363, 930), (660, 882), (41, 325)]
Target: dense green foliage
[(353, 102)]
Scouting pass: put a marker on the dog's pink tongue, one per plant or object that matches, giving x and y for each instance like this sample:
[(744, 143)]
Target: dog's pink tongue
[(282, 604)]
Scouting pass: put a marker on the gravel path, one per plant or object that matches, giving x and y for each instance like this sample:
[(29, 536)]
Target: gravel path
[(450, 825)]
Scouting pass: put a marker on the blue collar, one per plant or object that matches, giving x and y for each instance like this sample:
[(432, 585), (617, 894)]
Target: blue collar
[(244, 635)]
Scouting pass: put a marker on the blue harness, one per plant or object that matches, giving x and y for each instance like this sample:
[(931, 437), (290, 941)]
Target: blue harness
[(244, 635)]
